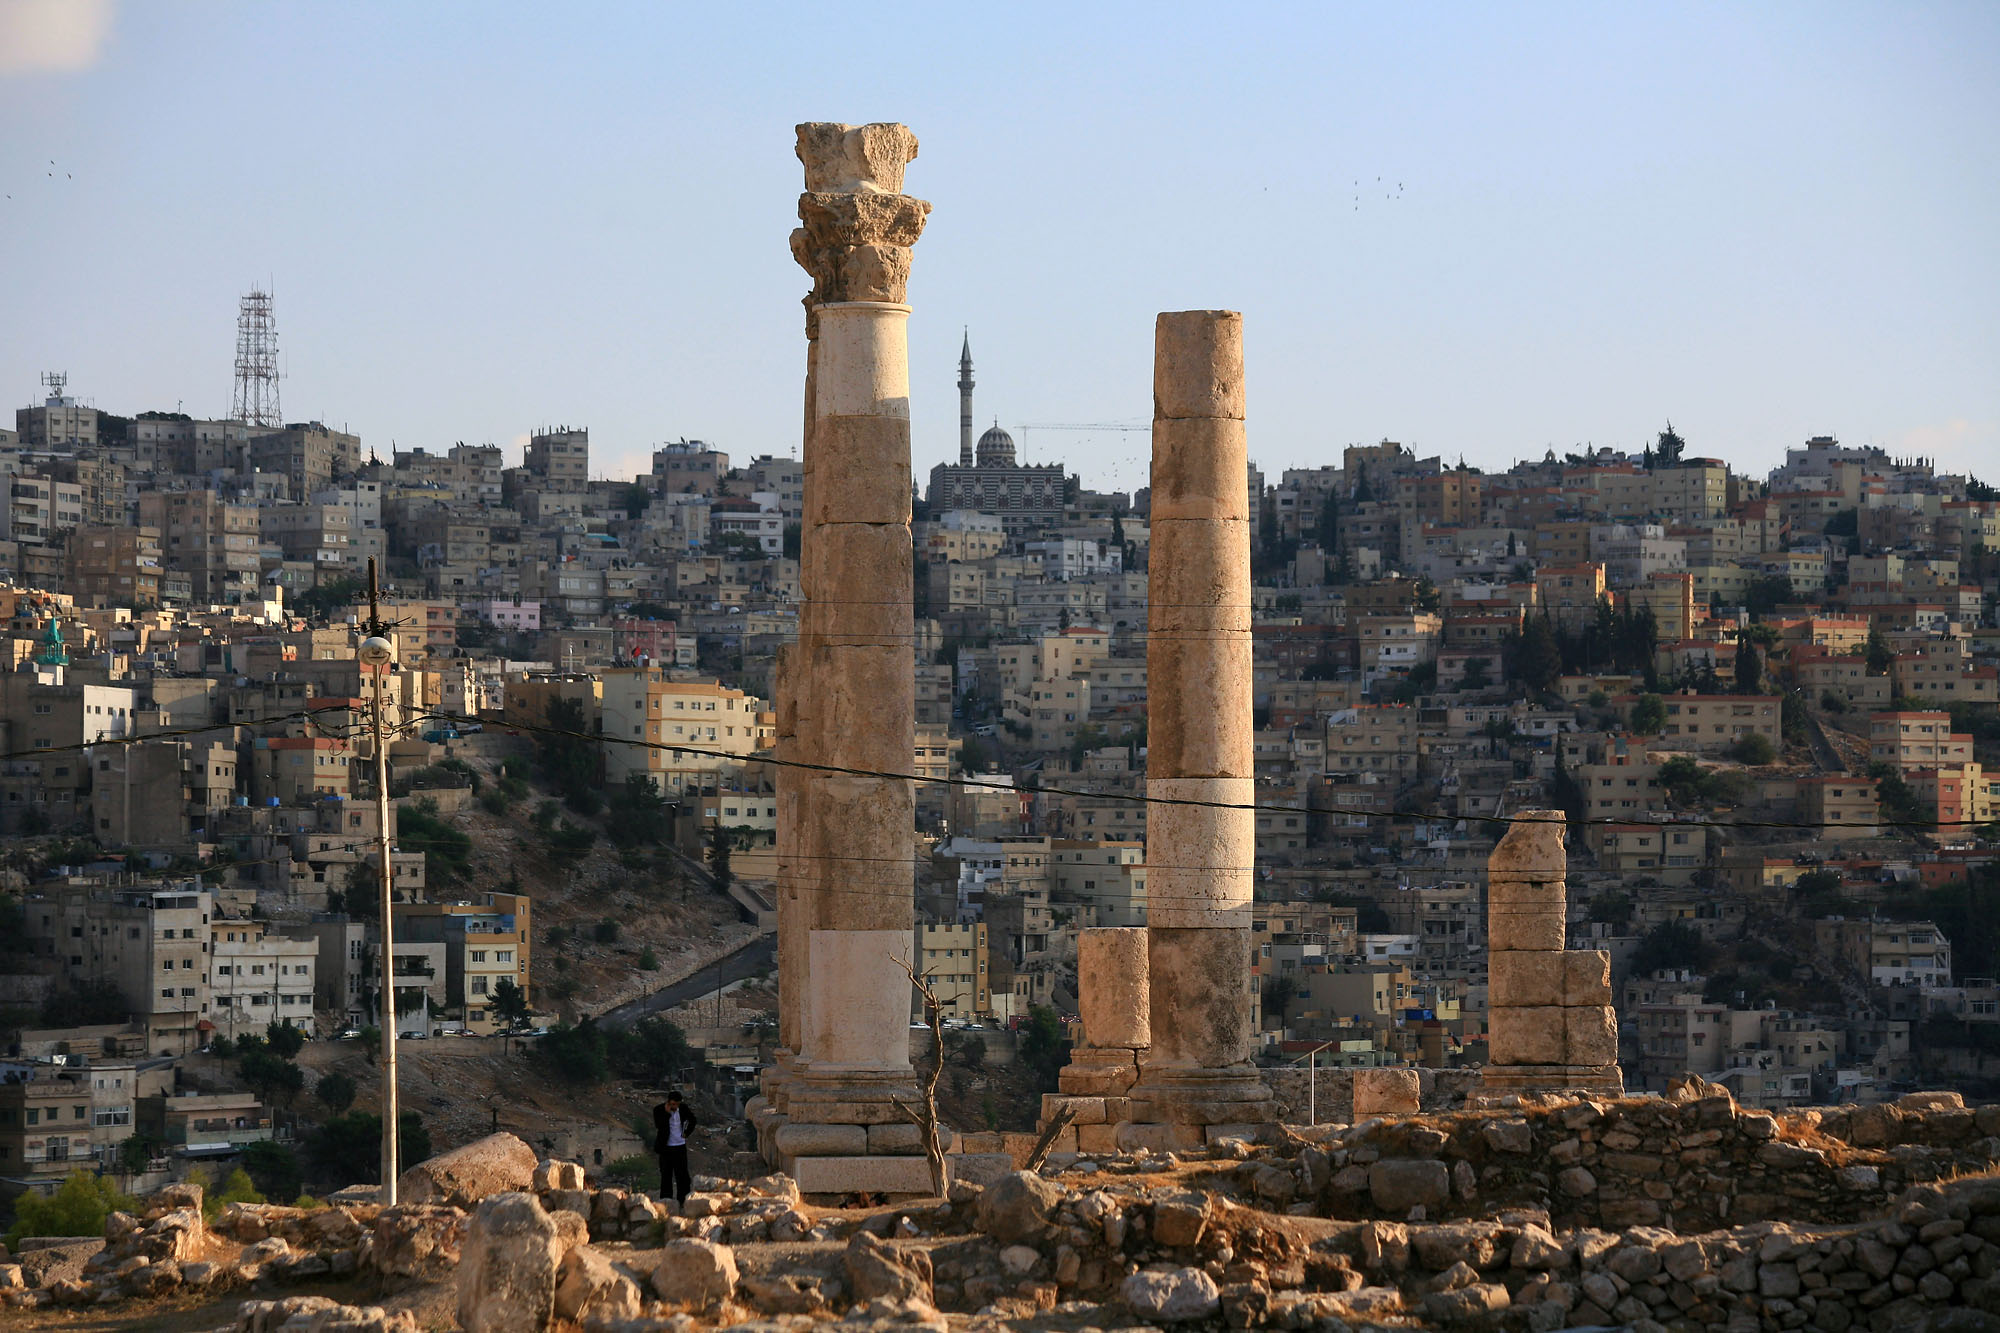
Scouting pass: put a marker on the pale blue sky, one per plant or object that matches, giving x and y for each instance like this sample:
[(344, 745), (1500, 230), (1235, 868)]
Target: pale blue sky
[(1766, 221)]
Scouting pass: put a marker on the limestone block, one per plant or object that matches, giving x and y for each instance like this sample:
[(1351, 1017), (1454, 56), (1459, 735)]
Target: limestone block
[(1132, 1136), (867, 700), (507, 1272), (1386, 1092), (1530, 1036), (588, 1287), (1524, 916), (1590, 1035), (1198, 364), (1586, 977), (1097, 1138), (1198, 469), (1200, 997), (835, 1102), (979, 1168), (869, 1175), (894, 1140), (1533, 845), (1525, 978), (794, 1139), (1097, 1080), (858, 999), (1200, 858), (1198, 578), (696, 1273), (855, 158), (462, 1177), (1083, 1110), (862, 370), (1198, 715), (1113, 997), (861, 583), (865, 857)]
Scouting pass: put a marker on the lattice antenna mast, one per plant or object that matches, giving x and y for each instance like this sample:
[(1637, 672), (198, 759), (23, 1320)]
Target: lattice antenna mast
[(256, 399)]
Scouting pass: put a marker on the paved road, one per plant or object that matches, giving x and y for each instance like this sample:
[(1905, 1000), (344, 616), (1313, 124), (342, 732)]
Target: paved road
[(747, 961)]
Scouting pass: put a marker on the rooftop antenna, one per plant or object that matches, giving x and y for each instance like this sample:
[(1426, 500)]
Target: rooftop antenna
[(56, 381), (255, 401)]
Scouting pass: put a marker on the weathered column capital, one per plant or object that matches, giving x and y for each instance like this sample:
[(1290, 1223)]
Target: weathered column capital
[(858, 225)]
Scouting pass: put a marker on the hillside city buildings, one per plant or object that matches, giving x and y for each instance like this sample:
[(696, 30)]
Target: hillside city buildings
[(1767, 702)]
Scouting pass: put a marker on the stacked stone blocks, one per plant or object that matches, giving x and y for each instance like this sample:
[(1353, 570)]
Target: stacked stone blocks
[(1550, 1022)]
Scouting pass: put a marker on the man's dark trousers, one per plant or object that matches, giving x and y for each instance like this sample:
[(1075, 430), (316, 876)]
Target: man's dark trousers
[(674, 1179)]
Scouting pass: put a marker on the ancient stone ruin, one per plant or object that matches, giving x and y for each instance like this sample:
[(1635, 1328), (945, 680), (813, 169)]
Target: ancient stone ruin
[(1550, 1023)]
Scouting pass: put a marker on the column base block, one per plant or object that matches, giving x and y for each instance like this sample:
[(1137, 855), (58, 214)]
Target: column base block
[(863, 1175), (1513, 1080), (1099, 1071), (1171, 1095)]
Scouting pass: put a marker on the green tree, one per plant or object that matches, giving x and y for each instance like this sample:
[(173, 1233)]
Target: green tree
[(1670, 944), (77, 1208), (654, 1051), (447, 850), (1044, 1048), (605, 931), (1749, 667), (1474, 677), (274, 1168), (236, 1187), (275, 1080), (1533, 656), (1766, 593), (1754, 748), (347, 1150), (136, 1153), (569, 750), (576, 1054), (1649, 715), (1880, 655), (648, 960), (718, 855), (83, 1004), (283, 1039), (570, 844), (336, 1093), (508, 1003), (639, 813)]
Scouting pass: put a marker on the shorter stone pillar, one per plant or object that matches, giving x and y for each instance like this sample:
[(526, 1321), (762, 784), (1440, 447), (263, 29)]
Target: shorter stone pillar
[(1114, 1000), (1550, 1024)]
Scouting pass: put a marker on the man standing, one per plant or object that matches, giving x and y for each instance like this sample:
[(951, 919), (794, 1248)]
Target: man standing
[(673, 1123)]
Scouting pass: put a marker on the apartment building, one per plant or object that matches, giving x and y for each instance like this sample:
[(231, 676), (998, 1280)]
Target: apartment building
[(690, 467), (1378, 739), (113, 566), (258, 978), (952, 958), (1105, 879), (486, 942), (310, 456), (1710, 723), (56, 1118), (1623, 785), (151, 942), (211, 540), (720, 728), (1845, 805), (1888, 953), (1913, 740)]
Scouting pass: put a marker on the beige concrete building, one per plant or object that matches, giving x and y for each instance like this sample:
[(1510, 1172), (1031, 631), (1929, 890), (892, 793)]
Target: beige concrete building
[(953, 957), (1709, 723), (258, 978), (721, 728), (149, 942), (486, 942)]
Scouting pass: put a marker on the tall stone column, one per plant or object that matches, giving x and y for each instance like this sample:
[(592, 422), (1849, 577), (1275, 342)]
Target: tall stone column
[(1550, 1023), (856, 714), (1200, 829)]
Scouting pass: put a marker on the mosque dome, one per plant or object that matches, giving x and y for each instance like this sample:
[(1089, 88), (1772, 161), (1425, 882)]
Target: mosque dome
[(996, 448)]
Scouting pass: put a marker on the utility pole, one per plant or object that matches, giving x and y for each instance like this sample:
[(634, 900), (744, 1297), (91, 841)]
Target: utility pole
[(376, 654)]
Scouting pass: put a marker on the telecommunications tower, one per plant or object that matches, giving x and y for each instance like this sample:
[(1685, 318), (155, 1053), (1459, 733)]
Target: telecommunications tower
[(256, 398)]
